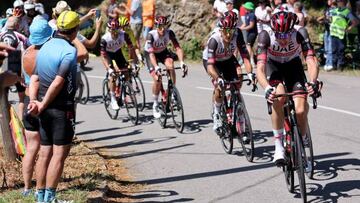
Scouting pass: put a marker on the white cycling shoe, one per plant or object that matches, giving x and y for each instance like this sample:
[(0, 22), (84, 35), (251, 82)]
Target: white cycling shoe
[(279, 158), (217, 123), (156, 111), (114, 104)]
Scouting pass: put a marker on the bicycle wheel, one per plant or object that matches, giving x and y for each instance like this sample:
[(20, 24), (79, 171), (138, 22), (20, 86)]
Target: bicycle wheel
[(288, 171), (163, 108), (139, 92), (227, 131), (107, 100), (300, 162), (84, 97), (79, 87), (309, 154), (177, 110), (248, 147), (130, 103)]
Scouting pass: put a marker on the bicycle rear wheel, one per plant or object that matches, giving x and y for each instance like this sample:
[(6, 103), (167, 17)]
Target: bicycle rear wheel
[(107, 100), (248, 147), (309, 153), (130, 103), (163, 108), (226, 133), (177, 110), (84, 97), (139, 92), (299, 158)]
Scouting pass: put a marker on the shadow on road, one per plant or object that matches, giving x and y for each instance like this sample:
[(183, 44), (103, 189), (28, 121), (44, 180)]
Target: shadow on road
[(95, 131), (196, 126), (97, 99), (108, 137), (136, 142)]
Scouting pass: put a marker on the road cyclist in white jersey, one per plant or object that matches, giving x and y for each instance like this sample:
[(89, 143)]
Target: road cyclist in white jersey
[(156, 51)]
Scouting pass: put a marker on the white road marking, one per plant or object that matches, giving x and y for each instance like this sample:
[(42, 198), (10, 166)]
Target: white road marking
[(319, 106)]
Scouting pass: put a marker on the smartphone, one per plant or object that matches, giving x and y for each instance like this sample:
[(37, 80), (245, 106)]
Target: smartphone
[(98, 13), (14, 62)]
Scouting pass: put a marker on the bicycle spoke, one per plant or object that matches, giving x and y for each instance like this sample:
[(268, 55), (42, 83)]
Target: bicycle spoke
[(177, 110)]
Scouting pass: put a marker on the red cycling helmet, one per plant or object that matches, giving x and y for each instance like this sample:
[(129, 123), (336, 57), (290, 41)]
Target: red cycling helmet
[(227, 22), (113, 24), (161, 20), (232, 15), (283, 22)]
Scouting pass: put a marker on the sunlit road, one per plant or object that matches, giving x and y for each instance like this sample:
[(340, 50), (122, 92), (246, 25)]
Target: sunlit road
[(192, 167)]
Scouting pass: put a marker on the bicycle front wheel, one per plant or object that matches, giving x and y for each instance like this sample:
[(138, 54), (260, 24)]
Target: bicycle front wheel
[(177, 110), (107, 101), (309, 154), (163, 108), (84, 97), (226, 132), (139, 92), (299, 158), (245, 138), (130, 103)]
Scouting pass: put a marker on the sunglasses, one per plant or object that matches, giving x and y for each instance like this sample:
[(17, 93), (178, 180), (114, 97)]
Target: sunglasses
[(228, 31), (282, 35), (160, 26)]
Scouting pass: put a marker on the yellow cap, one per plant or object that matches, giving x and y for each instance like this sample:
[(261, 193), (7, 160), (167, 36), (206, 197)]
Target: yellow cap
[(68, 20)]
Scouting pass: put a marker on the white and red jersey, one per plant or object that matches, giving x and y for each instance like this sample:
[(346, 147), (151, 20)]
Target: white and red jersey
[(108, 44), (156, 43), (216, 50), (14, 39), (270, 48)]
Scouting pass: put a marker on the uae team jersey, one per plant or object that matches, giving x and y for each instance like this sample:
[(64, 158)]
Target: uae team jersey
[(156, 43)]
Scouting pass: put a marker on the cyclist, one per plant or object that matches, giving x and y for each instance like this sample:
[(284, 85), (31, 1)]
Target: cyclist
[(219, 59), (156, 51), (111, 43), (279, 50), (125, 26)]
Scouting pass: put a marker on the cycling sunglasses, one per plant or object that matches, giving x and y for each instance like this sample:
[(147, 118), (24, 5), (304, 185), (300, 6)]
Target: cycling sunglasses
[(282, 35), (228, 31), (160, 26)]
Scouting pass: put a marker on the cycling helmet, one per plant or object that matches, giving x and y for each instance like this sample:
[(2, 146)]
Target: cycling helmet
[(18, 3), (9, 12), (283, 22), (161, 20), (113, 24), (231, 14), (227, 22), (123, 21)]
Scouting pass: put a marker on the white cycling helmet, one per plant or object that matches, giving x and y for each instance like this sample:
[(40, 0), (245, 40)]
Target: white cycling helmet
[(18, 3), (9, 12)]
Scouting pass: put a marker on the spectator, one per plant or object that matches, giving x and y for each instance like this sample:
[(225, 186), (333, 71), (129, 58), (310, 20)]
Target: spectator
[(275, 3), (250, 27), (18, 11), (148, 16), (54, 85), (136, 19), (242, 12), (40, 32), (4, 48), (262, 13), (340, 17), (230, 7), (298, 7), (326, 19), (9, 13), (219, 8), (111, 10)]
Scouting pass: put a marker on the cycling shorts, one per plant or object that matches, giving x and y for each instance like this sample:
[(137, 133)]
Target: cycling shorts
[(226, 68), (30, 122), (251, 38), (160, 58), (119, 58), (291, 73), (57, 126)]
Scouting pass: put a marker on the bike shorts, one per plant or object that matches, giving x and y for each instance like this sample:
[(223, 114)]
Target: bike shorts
[(119, 58), (226, 68), (290, 73), (30, 122), (57, 126), (160, 58), (251, 38)]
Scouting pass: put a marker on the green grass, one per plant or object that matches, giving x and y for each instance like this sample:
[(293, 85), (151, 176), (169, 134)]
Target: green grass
[(15, 196)]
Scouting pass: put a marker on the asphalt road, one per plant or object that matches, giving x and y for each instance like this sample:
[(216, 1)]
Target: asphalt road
[(192, 167)]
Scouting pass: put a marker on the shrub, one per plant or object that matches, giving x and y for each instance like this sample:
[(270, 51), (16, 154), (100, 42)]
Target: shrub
[(193, 49)]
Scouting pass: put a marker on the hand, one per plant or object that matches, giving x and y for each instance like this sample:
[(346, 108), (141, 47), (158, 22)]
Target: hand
[(3, 51), (139, 57), (92, 12), (98, 23), (110, 71), (35, 108), (270, 94), (156, 73), (184, 68), (313, 88), (8, 78), (220, 82)]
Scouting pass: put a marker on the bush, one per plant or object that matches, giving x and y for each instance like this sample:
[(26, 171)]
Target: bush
[(193, 49)]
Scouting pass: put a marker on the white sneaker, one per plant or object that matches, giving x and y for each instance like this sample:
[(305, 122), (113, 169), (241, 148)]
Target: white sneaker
[(217, 122), (156, 111), (114, 104), (279, 158), (308, 167)]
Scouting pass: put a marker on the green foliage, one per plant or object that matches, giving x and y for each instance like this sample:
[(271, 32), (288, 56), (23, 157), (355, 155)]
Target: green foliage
[(193, 49)]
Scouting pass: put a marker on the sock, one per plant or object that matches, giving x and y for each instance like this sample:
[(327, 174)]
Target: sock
[(49, 194), (112, 95), (39, 195), (278, 134), (156, 98), (217, 107)]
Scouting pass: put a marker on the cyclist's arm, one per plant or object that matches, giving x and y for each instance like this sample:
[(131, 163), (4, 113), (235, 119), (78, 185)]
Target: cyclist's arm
[(82, 52), (90, 44), (263, 45), (179, 51), (149, 45), (212, 71), (243, 51), (309, 54), (104, 57)]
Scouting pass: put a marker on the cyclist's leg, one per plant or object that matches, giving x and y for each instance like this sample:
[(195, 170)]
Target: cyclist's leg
[(156, 86), (169, 64)]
